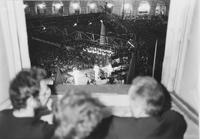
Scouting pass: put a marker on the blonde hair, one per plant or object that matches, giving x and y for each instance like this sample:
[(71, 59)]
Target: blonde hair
[(77, 114)]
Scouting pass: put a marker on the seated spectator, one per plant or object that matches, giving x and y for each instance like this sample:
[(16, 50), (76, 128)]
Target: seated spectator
[(77, 114), (28, 92), (148, 121)]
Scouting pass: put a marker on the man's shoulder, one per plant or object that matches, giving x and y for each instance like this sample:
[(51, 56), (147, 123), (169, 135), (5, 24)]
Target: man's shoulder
[(123, 119), (5, 113), (174, 120), (115, 120), (111, 125), (5, 119), (120, 121), (173, 115)]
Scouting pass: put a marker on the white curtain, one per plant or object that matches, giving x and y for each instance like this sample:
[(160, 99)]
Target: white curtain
[(180, 66), (13, 43)]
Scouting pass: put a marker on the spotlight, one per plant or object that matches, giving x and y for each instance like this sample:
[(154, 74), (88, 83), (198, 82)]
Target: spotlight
[(90, 23), (75, 24), (101, 21)]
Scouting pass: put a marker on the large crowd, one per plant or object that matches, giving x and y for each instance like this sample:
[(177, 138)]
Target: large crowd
[(75, 51), (51, 58)]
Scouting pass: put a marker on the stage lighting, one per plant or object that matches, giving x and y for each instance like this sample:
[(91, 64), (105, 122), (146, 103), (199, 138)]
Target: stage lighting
[(101, 21), (90, 23)]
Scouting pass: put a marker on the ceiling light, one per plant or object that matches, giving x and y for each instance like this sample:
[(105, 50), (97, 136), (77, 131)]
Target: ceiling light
[(58, 5), (75, 6), (144, 7), (127, 6), (109, 5), (42, 5), (92, 5)]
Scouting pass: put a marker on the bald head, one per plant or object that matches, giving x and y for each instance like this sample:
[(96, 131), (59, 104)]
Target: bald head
[(146, 95)]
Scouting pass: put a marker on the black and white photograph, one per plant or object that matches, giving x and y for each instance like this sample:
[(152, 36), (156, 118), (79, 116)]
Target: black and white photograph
[(99, 69)]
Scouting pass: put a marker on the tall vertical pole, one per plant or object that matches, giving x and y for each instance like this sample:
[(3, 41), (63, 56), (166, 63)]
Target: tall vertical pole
[(154, 60), (132, 66), (103, 34), (123, 1)]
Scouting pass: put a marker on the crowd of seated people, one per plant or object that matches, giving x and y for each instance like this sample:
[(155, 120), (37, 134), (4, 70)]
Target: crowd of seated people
[(79, 115), (147, 31), (144, 30), (51, 58)]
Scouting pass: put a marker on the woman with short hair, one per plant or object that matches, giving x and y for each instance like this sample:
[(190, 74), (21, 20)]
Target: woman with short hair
[(77, 114)]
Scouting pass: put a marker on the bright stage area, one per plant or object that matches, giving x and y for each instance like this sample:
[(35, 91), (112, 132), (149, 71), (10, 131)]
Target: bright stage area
[(96, 76)]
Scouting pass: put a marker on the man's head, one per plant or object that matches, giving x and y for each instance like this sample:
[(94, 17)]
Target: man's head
[(26, 88), (146, 97)]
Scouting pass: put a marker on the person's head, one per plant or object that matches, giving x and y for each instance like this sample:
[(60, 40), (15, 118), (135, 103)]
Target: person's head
[(77, 114), (146, 97), (28, 88)]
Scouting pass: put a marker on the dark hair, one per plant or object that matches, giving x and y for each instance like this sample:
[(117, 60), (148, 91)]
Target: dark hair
[(77, 114), (25, 84), (149, 89), (168, 99)]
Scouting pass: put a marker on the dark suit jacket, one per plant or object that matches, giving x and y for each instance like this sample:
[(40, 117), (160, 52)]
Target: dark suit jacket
[(171, 125), (23, 128)]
